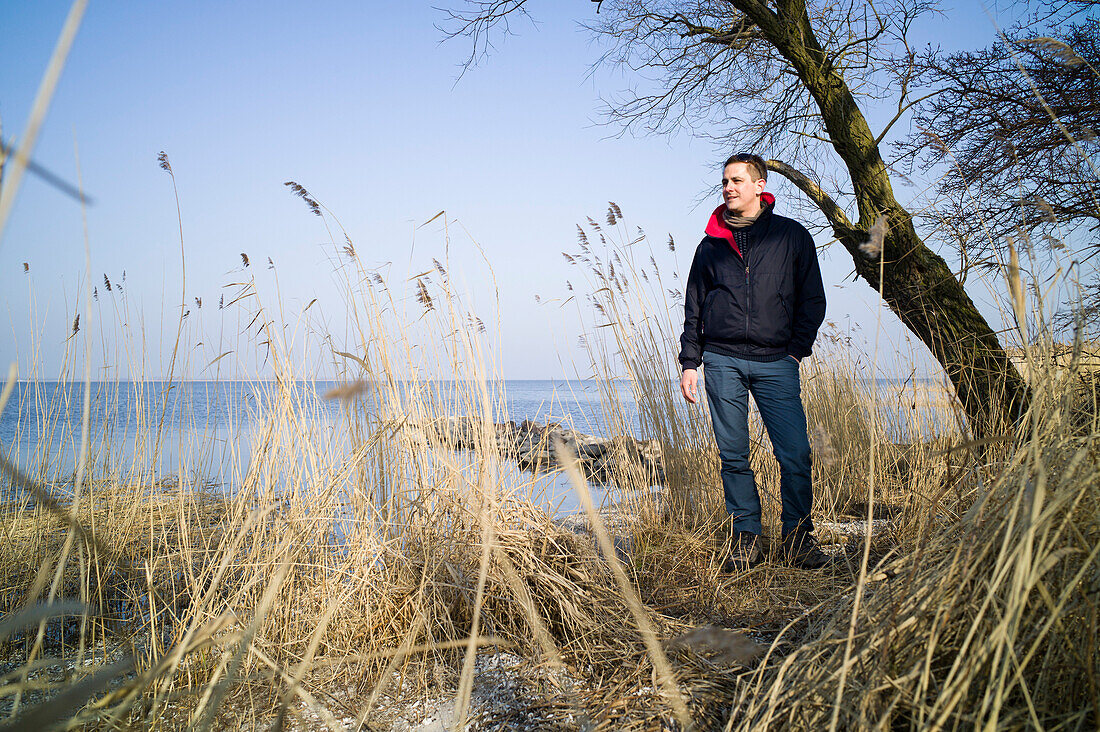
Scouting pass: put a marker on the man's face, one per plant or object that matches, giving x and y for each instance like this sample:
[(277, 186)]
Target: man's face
[(740, 192)]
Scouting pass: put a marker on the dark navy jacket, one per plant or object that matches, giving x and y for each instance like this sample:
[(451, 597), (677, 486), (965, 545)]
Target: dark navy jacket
[(761, 309)]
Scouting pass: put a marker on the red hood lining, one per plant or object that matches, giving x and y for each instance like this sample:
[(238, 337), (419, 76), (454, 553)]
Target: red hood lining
[(717, 227)]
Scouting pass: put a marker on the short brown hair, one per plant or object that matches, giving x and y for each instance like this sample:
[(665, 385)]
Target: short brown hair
[(757, 167)]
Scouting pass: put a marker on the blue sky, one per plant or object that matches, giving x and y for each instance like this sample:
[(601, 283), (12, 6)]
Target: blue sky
[(360, 103)]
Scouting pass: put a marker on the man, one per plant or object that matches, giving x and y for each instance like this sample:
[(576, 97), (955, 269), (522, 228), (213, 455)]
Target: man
[(753, 304)]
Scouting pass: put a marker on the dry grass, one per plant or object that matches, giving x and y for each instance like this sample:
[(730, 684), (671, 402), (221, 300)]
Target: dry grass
[(990, 622), (343, 574)]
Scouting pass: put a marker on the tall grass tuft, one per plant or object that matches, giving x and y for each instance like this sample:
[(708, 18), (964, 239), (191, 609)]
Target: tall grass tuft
[(989, 621)]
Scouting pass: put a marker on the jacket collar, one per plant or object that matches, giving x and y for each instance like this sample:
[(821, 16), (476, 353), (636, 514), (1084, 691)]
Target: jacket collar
[(717, 227)]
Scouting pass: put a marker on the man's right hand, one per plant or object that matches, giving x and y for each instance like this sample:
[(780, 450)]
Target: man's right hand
[(689, 382)]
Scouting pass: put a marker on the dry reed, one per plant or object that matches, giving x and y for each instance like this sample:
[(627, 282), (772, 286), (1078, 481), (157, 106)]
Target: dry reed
[(345, 572)]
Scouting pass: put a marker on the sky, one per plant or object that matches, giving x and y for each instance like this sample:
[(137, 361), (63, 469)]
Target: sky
[(364, 105)]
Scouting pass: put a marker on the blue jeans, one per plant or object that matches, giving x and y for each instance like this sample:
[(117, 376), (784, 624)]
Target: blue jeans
[(778, 395)]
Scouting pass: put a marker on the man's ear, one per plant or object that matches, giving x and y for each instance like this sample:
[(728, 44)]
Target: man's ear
[(760, 183)]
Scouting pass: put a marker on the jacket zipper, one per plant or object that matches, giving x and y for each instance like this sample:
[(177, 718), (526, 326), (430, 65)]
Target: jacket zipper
[(748, 296)]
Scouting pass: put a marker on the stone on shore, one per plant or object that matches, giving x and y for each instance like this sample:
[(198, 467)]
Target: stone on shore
[(534, 446)]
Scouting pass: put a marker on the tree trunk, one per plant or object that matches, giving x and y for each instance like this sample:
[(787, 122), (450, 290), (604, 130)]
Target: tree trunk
[(924, 293), (917, 284)]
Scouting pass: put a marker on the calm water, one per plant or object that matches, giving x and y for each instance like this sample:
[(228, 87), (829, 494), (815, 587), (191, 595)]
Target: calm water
[(208, 426), (51, 413)]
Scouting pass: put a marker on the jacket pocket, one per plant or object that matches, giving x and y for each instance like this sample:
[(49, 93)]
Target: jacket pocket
[(723, 317), (772, 318), (707, 301)]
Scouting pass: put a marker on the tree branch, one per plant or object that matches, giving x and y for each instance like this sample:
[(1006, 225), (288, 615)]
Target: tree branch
[(833, 212), (902, 109)]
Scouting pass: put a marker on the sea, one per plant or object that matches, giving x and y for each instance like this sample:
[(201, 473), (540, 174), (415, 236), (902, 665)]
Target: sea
[(206, 427)]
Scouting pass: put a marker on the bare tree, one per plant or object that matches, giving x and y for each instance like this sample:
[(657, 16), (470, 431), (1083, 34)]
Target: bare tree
[(1015, 129), (785, 77)]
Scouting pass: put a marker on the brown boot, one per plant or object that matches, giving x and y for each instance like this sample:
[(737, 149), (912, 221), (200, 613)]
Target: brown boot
[(744, 553)]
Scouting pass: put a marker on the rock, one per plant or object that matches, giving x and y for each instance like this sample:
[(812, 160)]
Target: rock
[(534, 446), (831, 532)]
